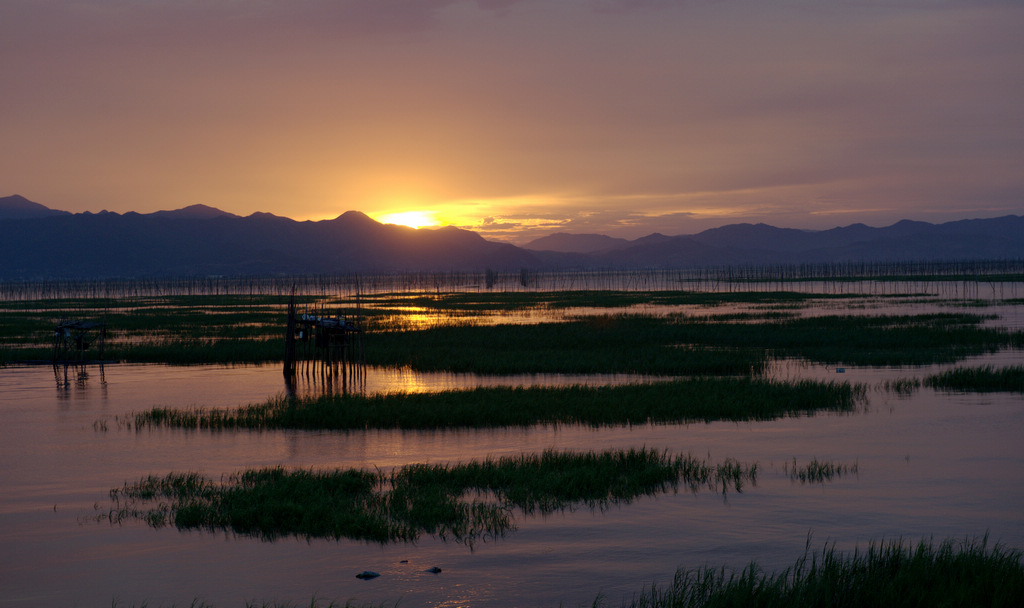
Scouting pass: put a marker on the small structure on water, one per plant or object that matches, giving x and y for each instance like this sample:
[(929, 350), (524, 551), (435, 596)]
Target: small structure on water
[(326, 341), (72, 338)]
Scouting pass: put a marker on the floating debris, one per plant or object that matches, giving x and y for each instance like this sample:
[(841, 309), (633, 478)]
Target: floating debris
[(367, 575), (435, 570)]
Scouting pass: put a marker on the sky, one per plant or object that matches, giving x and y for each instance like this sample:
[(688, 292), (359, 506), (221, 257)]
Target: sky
[(519, 118)]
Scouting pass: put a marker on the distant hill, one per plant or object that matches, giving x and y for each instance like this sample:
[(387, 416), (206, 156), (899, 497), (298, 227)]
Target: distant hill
[(575, 243), (37, 242), (746, 244), (18, 207), (193, 212)]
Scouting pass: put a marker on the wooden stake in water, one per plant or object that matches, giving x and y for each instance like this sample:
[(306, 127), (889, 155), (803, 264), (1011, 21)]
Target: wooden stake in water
[(289, 340)]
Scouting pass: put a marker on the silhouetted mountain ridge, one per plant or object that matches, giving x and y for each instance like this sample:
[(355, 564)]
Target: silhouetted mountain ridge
[(200, 241), (565, 242), (39, 242), (17, 207), (199, 212)]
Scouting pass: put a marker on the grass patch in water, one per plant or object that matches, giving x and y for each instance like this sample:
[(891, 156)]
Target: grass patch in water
[(817, 471), (601, 344), (894, 573), (700, 399), (980, 379), (889, 340), (461, 502), (686, 345), (902, 386)]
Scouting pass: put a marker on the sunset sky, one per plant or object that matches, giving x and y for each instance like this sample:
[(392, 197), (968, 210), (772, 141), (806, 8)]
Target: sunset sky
[(517, 119)]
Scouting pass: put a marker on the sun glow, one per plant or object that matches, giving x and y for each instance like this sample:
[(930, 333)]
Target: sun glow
[(412, 219)]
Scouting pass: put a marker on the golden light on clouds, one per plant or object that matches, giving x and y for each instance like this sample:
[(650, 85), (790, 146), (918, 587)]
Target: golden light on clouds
[(518, 119)]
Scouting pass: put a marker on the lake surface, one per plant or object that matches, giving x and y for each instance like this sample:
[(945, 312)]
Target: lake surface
[(930, 465)]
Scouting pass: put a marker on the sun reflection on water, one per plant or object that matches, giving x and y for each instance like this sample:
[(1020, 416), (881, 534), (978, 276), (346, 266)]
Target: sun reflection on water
[(373, 380)]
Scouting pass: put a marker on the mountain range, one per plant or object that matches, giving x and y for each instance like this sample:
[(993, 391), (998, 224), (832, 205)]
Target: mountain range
[(37, 242)]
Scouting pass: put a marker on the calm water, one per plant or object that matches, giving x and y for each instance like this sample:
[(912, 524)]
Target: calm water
[(931, 465)]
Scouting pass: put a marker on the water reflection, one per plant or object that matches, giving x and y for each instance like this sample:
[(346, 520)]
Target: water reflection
[(374, 380), (321, 380), (929, 465), (75, 379)]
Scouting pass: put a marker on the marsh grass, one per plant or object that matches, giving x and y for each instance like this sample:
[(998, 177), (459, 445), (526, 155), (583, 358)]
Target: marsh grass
[(599, 344), (895, 573), (817, 471), (980, 379), (698, 399), (179, 330), (176, 330), (901, 386), (864, 340), (687, 345), (461, 502), (244, 329)]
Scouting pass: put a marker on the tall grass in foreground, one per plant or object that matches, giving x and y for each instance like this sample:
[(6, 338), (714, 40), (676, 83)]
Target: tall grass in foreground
[(980, 379), (699, 399), (461, 502), (891, 574)]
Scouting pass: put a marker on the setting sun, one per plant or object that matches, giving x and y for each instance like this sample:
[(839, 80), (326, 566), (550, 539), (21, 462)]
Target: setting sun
[(412, 219)]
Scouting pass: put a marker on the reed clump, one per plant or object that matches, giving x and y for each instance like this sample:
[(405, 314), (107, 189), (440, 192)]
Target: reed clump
[(980, 379), (818, 471), (461, 502), (895, 573), (698, 399), (902, 386)]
